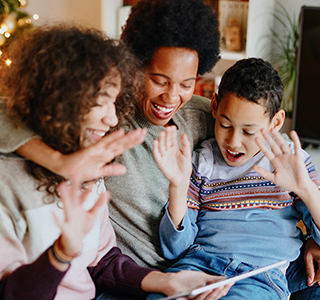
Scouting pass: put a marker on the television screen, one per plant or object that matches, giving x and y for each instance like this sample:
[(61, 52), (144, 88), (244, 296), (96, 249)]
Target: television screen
[(306, 113)]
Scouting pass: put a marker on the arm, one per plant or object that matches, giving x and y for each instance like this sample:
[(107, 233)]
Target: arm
[(290, 171), (118, 273), (91, 162), (175, 164), (36, 281), (12, 137)]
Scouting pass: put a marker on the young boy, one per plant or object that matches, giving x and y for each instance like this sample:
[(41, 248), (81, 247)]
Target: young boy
[(242, 206)]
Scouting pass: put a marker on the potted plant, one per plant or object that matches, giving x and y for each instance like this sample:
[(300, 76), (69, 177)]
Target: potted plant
[(284, 54)]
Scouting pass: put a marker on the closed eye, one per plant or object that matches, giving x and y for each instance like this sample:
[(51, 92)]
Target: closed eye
[(249, 133)]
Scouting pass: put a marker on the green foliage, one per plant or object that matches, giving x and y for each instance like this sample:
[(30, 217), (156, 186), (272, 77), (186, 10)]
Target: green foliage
[(19, 20), (284, 58), (9, 6)]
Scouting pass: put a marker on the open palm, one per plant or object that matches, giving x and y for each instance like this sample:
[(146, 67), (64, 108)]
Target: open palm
[(175, 163)]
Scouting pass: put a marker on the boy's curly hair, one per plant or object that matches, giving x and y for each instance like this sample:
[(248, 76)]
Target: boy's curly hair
[(54, 80), (255, 80), (173, 23)]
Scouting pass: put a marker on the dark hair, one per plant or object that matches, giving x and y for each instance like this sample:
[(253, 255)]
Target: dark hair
[(173, 23), (253, 79), (54, 79)]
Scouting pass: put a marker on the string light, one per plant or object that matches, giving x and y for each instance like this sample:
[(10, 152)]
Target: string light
[(35, 17), (8, 62)]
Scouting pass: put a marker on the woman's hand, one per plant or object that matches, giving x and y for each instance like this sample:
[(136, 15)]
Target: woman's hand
[(77, 221), (91, 162), (174, 163), (183, 281)]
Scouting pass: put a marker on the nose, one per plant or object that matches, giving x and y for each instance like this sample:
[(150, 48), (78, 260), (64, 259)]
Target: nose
[(110, 117), (172, 93), (234, 140)]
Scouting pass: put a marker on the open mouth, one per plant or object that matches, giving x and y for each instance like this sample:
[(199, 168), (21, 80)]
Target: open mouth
[(162, 112), (100, 133), (233, 156)]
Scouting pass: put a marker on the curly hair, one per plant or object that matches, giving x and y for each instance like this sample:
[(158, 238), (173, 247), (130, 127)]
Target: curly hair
[(173, 23), (254, 79), (54, 80)]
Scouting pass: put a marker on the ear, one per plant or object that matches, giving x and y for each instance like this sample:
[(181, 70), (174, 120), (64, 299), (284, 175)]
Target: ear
[(278, 120), (214, 105)]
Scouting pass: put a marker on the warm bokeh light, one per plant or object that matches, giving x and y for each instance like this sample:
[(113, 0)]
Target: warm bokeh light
[(35, 17), (8, 62)]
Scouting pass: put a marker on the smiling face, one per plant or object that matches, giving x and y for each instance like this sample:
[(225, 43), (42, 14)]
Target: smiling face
[(97, 122), (238, 123), (170, 83)]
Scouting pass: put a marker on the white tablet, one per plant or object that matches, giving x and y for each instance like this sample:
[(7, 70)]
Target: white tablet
[(212, 286)]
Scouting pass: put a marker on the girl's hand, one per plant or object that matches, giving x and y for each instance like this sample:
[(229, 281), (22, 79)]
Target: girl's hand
[(175, 163), (175, 283), (289, 169), (77, 221)]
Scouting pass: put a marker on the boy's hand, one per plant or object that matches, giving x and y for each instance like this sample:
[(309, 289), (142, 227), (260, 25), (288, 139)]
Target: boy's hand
[(312, 258), (289, 169), (175, 163)]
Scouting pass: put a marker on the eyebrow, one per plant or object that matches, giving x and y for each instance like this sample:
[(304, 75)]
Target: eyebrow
[(246, 125), (167, 77)]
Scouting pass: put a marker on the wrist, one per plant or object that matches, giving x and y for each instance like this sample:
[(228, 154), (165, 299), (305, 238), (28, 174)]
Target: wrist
[(158, 282), (62, 253), (59, 167)]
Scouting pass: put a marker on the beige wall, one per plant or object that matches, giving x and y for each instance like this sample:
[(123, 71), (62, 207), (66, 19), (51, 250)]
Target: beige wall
[(85, 12)]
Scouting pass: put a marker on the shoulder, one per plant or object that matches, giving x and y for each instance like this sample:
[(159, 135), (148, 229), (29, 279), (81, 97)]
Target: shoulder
[(198, 103), (195, 119), (206, 156)]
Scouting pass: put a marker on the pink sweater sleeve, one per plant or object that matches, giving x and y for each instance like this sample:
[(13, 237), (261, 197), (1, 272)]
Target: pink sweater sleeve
[(36, 281)]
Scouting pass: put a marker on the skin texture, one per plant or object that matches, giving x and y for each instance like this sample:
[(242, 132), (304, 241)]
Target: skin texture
[(235, 115), (238, 123), (102, 116), (170, 83)]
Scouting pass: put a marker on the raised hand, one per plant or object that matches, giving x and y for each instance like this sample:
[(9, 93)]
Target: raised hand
[(289, 168), (77, 221), (175, 163), (91, 162)]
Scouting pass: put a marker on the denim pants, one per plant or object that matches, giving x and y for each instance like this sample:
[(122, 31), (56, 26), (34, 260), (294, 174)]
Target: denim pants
[(297, 281), (270, 285)]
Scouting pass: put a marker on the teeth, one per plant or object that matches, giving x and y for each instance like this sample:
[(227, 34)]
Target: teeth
[(233, 153), (97, 132), (164, 109)]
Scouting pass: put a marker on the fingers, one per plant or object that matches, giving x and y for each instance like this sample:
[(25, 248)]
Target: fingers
[(115, 143), (166, 140), (317, 277), (215, 294), (297, 144), (309, 269), (186, 147), (112, 170), (102, 199), (264, 173)]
